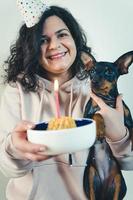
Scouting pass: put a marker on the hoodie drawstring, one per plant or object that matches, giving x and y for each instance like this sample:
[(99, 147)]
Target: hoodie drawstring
[(71, 99), (70, 113)]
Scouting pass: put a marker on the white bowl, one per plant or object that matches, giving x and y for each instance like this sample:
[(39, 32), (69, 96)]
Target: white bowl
[(65, 140)]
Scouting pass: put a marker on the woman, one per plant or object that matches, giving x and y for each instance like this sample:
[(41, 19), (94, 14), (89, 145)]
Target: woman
[(50, 49)]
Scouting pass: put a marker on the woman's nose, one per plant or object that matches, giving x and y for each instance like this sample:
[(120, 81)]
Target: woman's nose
[(54, 43)]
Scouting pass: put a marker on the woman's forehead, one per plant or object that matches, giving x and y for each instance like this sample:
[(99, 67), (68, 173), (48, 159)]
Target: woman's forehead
[(52, 25)]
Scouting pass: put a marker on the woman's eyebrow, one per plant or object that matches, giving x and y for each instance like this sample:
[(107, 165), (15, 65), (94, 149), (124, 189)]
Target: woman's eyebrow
[(57, 32), (63, 29), (44, 36)]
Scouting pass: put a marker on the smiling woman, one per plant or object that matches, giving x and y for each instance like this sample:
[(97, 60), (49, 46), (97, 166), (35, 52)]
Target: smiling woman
[(49, 48)]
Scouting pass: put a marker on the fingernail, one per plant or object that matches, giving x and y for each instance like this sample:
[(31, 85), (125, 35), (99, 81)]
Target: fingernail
[(30, 126), (29, 156), (43, 148)]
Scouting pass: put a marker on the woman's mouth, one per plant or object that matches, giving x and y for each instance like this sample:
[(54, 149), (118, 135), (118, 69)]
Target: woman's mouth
[(57, 56)]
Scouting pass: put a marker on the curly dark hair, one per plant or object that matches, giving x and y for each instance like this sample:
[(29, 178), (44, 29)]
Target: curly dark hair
[(23, 63)]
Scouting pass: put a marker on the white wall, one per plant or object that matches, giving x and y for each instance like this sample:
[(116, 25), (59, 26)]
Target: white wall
[(109, 28)]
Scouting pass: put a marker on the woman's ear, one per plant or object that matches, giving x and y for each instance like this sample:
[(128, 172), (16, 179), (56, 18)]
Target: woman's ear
[(88, 60)]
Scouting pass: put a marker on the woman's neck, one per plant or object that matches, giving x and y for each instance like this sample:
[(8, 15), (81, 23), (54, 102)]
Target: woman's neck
[(62, 78)]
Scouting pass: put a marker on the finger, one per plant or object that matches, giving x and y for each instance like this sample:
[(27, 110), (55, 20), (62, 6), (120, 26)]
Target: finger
[(98, 100), (36, 157), (19, 138), (22, 144), (24, 126), (119, 104)]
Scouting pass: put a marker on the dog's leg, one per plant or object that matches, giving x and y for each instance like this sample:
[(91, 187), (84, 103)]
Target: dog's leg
[(91, 182), (106, 166), (117, 183), (100, 127)]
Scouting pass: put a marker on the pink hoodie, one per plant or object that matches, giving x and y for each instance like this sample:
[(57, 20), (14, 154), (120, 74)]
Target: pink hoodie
[(53, 178)]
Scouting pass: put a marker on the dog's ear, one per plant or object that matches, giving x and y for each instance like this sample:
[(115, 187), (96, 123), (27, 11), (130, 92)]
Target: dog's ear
[(88, 60), (124, 61)]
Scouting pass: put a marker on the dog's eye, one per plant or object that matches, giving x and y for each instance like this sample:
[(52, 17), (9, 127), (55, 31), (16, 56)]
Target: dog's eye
[(108, 71), (92, 71)]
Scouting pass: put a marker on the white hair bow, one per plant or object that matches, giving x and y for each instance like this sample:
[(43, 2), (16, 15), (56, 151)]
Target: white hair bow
[(31, 10)]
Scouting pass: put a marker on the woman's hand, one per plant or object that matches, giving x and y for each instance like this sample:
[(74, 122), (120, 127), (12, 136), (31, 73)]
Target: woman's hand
[(26, 149), (113, 118)]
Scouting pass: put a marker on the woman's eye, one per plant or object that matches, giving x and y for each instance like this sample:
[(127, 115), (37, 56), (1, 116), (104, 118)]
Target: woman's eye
[(44, 40), (63, 35)]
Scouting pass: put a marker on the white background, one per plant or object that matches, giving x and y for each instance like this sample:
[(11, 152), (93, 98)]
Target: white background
[(109, 28)]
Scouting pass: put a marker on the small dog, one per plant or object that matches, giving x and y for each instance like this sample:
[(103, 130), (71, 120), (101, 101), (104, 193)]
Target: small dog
[(103, 179)]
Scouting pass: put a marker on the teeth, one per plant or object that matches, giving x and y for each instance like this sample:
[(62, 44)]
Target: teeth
[(57, 56)]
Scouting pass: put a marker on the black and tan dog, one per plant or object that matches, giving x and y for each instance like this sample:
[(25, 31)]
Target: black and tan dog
[(103, 179)]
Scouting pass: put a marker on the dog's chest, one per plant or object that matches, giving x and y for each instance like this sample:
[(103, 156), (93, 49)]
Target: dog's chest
[(91, 107)]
